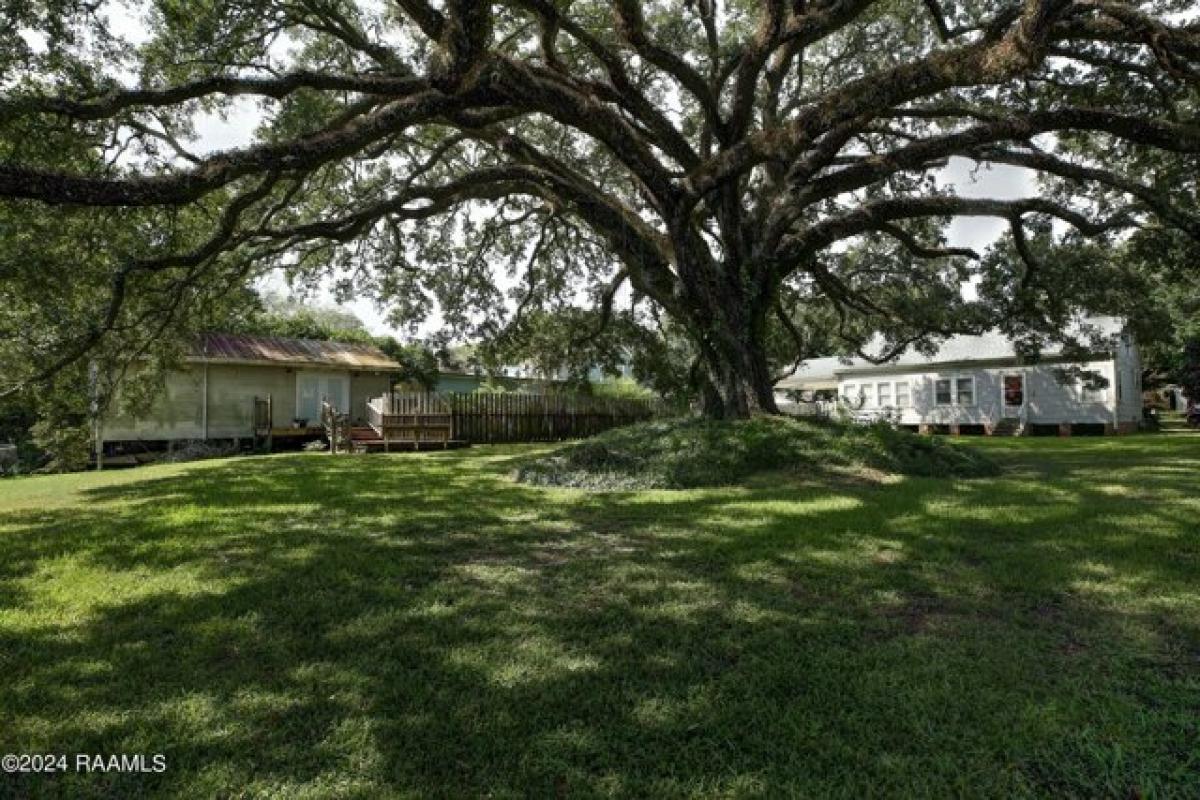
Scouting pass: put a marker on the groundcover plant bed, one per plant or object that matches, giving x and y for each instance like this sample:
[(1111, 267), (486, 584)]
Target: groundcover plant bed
[(693, 452)]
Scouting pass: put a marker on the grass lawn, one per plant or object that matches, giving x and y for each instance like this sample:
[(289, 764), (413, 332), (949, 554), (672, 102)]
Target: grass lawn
[(418, 625)]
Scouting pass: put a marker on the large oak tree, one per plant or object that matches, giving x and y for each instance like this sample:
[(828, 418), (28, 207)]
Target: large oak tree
[(747, 172)]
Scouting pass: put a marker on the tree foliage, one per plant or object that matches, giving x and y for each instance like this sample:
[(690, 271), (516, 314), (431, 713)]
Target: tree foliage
[(276, 315), (288, 317), (1189, 373), (759, 180)]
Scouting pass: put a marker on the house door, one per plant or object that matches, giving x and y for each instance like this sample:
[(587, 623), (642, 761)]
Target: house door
[(313, 387), (1013, 389)]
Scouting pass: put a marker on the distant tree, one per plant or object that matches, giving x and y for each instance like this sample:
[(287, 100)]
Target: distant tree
[(1150, 278), (418, 363), (282, 316), (621, 389), (566, 344), (462, 358), (290, 317), (1189, 373)]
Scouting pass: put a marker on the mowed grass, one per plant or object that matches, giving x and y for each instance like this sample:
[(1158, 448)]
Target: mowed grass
[(419, 625)]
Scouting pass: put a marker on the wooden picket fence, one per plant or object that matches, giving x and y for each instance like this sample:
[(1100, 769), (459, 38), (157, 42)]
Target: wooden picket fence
[(482, 418)]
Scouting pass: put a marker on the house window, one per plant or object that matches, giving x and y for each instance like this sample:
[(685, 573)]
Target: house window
[(965, 391), (903, 398), (1088, 395), (883, 392), (941, 392), (1014, 391), (850, 393)]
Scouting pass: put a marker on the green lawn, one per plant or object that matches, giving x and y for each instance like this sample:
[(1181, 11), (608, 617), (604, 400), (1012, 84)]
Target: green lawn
[(419, 625)]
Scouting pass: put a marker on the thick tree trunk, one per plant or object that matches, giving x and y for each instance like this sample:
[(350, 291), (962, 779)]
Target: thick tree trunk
[(734, 360), (727, 305), (739, 382)]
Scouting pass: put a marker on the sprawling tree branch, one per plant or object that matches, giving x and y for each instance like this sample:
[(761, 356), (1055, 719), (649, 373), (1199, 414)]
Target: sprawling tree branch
[(718, 156)]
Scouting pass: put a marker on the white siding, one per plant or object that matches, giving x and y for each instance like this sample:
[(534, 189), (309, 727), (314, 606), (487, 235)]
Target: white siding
[(1047, 400), (1129, 381)]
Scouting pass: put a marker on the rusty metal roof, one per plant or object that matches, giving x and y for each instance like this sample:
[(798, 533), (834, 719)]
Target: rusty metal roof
[(242, 348)]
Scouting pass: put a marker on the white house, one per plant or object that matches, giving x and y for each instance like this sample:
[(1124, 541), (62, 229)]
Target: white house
[(978, 384)]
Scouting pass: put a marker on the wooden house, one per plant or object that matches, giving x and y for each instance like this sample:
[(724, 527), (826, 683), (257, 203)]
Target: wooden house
[(213, 396)]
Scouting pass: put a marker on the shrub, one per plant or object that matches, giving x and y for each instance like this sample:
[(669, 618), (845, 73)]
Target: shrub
[(621, 389), (65, 447), (693, 452)]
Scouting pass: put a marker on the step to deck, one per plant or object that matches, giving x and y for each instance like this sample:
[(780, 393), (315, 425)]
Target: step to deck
[(379, 446)]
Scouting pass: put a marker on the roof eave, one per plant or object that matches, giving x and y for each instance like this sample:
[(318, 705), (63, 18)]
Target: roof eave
[(292, 363), (960, 364)]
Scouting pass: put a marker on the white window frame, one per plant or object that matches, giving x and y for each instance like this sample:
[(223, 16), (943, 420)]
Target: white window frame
[(1097, 395), (879, 394), (907, 393), (849, 395), (1024, 376), (950, 391), (342, 402), (974, 396), (953, 381)]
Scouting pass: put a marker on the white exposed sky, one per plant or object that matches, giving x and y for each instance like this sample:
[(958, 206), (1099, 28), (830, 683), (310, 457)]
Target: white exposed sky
[(235, 127), (968, 178), (999, 182)]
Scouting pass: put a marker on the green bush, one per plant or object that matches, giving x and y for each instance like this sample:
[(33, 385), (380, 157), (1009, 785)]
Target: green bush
[(621, 389), (693, 452), (66, 448)]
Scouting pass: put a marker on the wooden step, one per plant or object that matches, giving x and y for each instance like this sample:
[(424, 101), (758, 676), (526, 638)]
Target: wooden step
[(1006, 427), (378, 446)]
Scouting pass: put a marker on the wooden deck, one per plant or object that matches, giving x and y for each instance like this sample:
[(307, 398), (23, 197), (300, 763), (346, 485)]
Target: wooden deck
[(365, 439), (294, 433), (408, 422)]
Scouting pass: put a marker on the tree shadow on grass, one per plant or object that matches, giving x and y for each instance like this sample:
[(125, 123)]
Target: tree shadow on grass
[(423, 626)]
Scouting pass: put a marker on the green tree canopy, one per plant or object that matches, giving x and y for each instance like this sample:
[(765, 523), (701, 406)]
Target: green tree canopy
[(284, 316), (763, 177)]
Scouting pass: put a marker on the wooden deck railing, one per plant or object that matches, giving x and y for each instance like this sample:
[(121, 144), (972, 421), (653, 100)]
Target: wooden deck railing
[(482, 417), (479, 417), (337, 428), (417, 419)]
